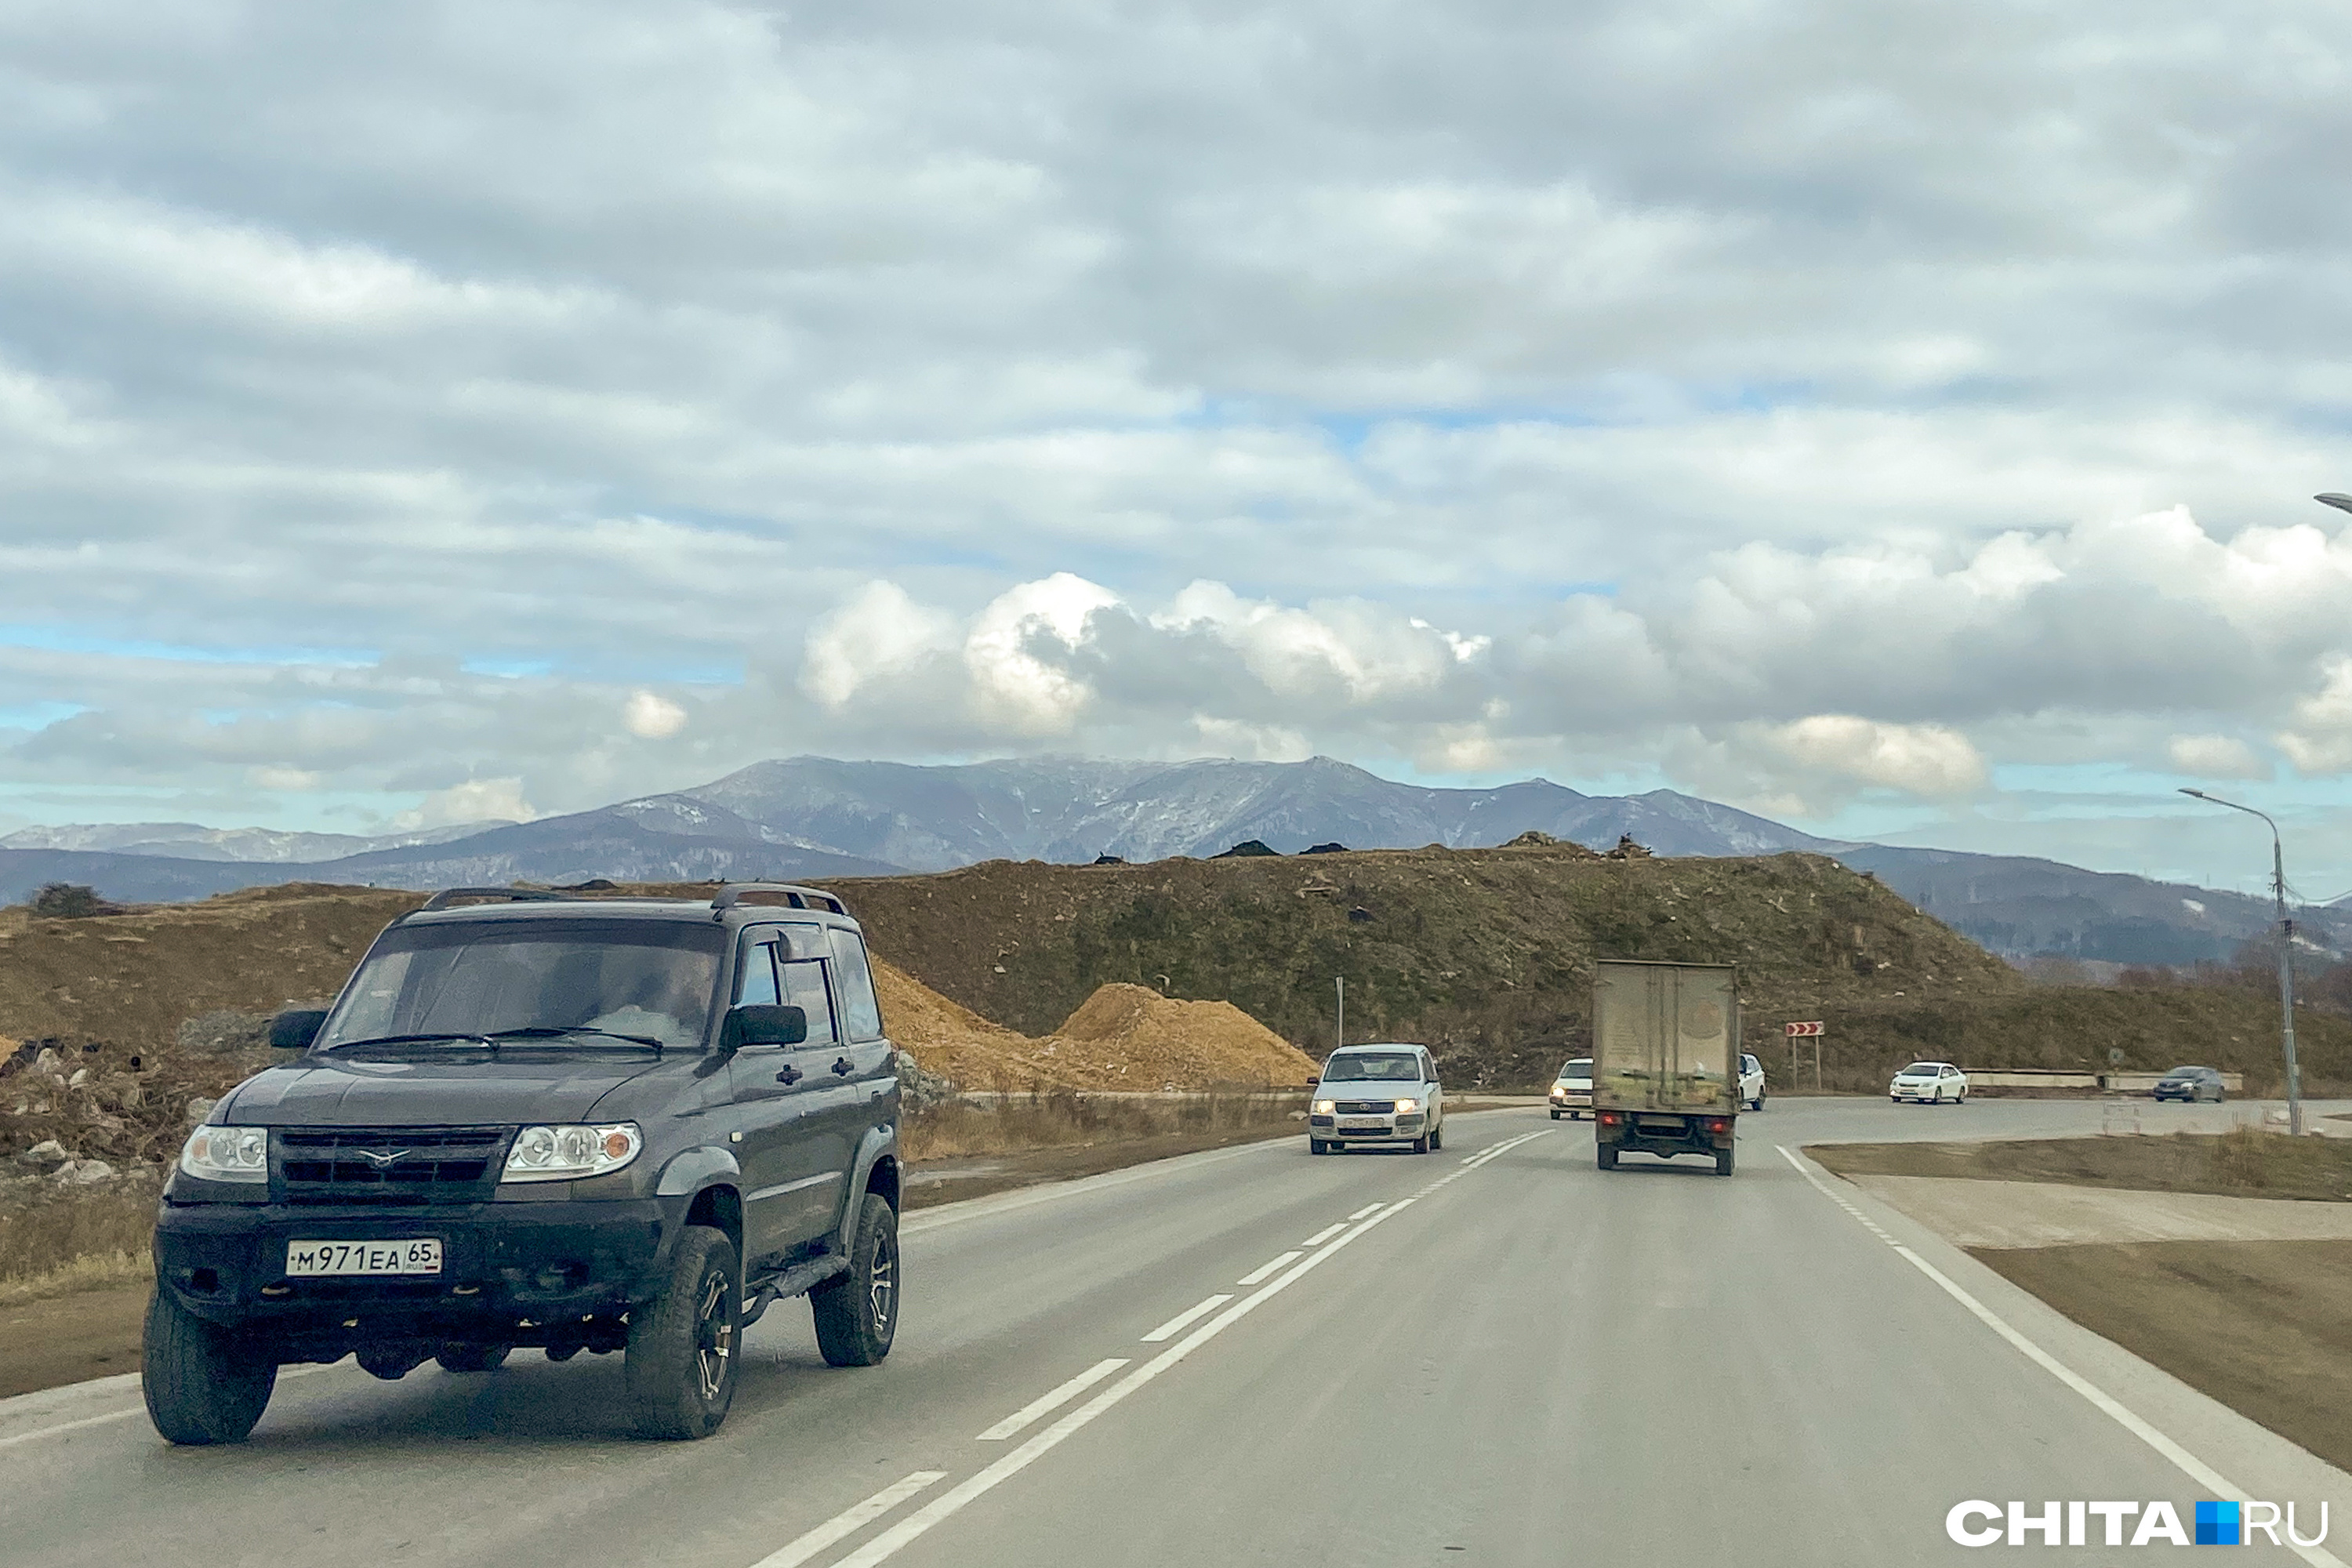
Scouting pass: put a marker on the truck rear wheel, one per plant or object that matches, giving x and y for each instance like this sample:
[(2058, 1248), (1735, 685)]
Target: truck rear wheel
[(856, 1312), (204, 1384), (472, 1358), (681, 1365), (1605, 1155), (1723, 1162)]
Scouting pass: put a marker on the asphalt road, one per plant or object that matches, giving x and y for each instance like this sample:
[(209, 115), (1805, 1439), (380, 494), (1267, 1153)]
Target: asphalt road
[(1492, 1354)]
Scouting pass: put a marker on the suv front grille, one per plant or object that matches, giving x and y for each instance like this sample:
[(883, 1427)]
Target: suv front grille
[(388, 1164), (1366, 1106)]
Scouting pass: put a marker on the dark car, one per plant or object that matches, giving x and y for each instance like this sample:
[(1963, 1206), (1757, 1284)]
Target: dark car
[(2186, 1084), (598, 1124)]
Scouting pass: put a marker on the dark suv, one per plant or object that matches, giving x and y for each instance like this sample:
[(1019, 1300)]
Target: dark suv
[(599, 1125)]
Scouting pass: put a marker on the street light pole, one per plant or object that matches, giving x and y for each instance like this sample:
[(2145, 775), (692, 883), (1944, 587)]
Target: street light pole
[(2286, 963), (1343, 1013)]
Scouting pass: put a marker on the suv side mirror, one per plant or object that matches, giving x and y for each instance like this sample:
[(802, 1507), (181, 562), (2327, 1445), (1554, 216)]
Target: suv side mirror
[(295, 1029), (764, 1023)]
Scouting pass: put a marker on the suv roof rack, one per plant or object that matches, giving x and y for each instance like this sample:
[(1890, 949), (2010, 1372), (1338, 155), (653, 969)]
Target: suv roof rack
[(795, 896), (447, 896)]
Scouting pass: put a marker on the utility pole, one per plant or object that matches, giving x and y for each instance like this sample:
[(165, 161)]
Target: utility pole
[(1343, 1013), (2285, 961)]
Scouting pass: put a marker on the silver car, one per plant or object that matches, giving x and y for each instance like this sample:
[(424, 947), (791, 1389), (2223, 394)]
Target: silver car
[(1377, 1094)]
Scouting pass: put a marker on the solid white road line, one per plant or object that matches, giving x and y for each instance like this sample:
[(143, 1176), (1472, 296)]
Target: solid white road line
[(1054, 1401), (1177, 1324), (849, 1521), (284, 1374), (2188, 1464), (883, 1546), (1361, 1213), (1326, 1234), (1257, 1275), (72, 1425)]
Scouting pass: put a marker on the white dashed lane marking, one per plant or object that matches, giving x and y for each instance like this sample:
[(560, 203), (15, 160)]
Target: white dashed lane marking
[(1054, 1401), (1183, 1319)]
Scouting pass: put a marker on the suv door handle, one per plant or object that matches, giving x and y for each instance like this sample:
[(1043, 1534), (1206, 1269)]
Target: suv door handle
[(844, 1066), (790, 1075)]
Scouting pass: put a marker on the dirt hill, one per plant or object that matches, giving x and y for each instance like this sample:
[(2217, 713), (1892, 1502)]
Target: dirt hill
[(1487, 954), (1484, 954)]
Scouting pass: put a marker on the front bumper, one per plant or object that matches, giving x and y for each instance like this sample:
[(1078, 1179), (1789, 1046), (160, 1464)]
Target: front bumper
[(511, 1271), (1355, 1128)]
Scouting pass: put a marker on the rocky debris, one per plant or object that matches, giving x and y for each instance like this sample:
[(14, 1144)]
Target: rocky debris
[(1334, 847), (1627, 849), (1110, 860), (223, 1032), (44, 1156), (1533, 838), (1243, 850), (1124, 1033), (82, 1174), (918, 1089), (1359, 915)]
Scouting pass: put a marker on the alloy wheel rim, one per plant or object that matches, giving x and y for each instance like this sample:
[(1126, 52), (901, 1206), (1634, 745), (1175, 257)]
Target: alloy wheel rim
[(714, 1336), (882, 1282)]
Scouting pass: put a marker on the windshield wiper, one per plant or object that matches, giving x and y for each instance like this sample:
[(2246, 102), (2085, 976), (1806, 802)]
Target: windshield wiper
[(489, 1040), (552, 1032)]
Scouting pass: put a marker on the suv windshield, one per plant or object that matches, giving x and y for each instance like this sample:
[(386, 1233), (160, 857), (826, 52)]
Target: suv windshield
[(475, 978), (2184, 1072), (1921, 1069), (1372, 1065), (1579, 1070)]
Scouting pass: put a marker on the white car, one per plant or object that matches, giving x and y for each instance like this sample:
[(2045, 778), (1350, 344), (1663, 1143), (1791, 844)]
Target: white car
[(1377, 1094), (1929, 1083), (1571, 1092), (1751, 1083)]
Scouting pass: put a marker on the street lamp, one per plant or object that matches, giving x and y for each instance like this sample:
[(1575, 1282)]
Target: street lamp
[(2286, 950)]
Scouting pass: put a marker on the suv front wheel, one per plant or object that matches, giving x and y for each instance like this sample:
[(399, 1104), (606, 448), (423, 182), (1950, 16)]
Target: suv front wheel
[(204, 1384), (856, 1312), (681, 1365)]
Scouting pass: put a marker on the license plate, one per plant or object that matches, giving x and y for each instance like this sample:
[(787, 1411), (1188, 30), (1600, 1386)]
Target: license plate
[(407, 1254), (1362, 1124)]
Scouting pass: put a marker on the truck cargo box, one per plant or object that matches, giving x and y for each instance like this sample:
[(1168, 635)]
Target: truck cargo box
[(1666, 1060)]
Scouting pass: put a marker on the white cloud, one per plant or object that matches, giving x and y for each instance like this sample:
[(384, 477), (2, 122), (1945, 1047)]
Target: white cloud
[(2215, 757), (1010, 652), (651, 716), (2321, 740), (476, 800), (879, 631), (1917, 758)]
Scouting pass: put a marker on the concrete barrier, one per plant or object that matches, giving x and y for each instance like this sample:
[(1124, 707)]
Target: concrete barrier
[(2144, 1082)]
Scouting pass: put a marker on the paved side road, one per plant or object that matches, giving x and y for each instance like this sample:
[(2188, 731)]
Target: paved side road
[(1496, 1354)]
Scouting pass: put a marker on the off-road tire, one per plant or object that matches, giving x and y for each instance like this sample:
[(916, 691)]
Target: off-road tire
[(1605, 1155), (1723, 1162), (204, 1384), (1554, 1116), (682, 1365), (856, 1312), (1437, 1136), (472, 1358), (1316, 1146), (1421, 1144)]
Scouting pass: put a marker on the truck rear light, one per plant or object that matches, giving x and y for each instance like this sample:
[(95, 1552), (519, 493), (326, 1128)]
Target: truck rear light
[(1608, 1119), (1718, 1125)]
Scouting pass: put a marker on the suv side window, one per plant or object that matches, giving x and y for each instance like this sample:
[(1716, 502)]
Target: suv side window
[(804, 987), (861, 1014), (1428, 1068), (755, 982)]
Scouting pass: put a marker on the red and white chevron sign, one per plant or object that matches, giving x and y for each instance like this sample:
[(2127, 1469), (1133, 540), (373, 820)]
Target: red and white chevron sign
[(1798, 1031)]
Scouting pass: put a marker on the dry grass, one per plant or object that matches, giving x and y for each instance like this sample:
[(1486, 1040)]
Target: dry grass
[(54, 1242), (2244, 1162), (1018, 1124)]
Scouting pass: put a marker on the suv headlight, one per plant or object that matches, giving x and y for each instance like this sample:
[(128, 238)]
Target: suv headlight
[(1326, 1107), (567, 1153), (227, 1155), (1406, 1106)]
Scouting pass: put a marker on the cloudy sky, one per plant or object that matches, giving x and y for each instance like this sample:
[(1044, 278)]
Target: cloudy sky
[(1899, 419)]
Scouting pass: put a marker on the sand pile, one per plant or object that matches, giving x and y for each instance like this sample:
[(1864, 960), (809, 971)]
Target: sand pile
[(1131, 1036), (952, 1040), (1124, 1036)]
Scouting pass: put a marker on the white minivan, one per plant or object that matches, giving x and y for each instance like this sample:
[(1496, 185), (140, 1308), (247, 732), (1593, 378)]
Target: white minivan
[(1377, 1094)]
